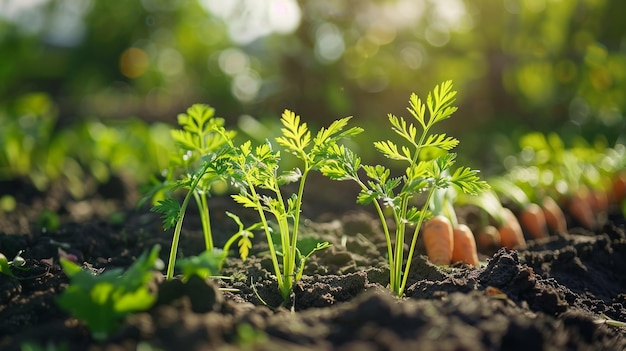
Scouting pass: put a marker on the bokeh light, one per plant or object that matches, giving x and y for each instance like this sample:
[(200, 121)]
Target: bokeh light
[(519, 65), (133, 62)]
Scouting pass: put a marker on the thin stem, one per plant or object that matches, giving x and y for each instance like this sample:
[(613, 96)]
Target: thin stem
[(414, 240), (383, 222), (286, 281), (420, 144), (208, 237), (288, 260), (400, 230), (296, 219), (203, 208), (175, 239), (179, 224), (268, 235), (230, 241), (399, 252)]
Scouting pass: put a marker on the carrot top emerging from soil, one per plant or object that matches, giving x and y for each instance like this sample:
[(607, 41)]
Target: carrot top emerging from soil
[(429, 163)]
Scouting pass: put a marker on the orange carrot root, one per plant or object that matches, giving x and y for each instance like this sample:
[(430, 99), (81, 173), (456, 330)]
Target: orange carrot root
[(511, 233), (438, 240), (555, 218), (464, 246), (579, 207), (488, 239), (599, 202), (533, 221), (618, 194)]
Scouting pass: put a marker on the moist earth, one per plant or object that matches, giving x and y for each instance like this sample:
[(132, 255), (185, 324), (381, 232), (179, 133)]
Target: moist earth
[(559, 293)]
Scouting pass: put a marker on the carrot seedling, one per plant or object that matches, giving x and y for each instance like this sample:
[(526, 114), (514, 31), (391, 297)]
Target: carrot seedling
[(197, 165), (103, 301), (423, 175), (254, 171)]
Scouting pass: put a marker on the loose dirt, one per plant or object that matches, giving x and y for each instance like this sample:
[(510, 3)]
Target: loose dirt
[(556, 294)]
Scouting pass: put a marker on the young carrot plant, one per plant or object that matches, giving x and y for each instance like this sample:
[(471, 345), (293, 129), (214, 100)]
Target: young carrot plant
[(255, 172), (103, 301), (198, 164), (423, 175)]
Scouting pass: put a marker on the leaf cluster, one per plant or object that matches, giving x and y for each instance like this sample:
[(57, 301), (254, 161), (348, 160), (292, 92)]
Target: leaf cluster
[(205, 265), (196, 164), (259, 167), (421, 173), (102, 301), (198, 135)]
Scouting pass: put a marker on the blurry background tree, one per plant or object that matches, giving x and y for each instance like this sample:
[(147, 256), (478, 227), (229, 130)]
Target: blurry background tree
[(519, 65)]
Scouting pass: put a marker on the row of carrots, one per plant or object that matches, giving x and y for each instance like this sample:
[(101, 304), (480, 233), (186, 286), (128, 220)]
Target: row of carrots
[(530, 202)]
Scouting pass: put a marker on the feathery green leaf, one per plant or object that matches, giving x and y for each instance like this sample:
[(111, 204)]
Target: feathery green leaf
[(170, 210), (468, 181), (296, 136), (441, 141), (404, 129), (390, 150)]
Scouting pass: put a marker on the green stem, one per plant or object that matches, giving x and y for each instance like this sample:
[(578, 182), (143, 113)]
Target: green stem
[(448, 211), (203, 208), (383, 222), (230, 241), (381, 215), (175, 239), (400, 230), (268, 235), (419, 145), (179, 224), (282, 217), (296, 219), (399, 254), (288, 260), (414, 240)]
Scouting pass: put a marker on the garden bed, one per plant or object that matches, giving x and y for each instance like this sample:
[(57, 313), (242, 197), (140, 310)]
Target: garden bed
[(559, 293)]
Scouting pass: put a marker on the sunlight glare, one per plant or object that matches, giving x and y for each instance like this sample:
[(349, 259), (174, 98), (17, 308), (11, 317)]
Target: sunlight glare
[(248, 20)]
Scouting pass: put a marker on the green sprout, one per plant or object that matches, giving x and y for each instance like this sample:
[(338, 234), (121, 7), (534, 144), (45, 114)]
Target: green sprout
[(429, 162), (245, 236), (103, 301), (196, 167), (205, 265), (6, 266), (255, 172)]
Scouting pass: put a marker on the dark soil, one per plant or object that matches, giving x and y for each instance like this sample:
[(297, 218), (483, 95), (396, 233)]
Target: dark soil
[(550, 296)]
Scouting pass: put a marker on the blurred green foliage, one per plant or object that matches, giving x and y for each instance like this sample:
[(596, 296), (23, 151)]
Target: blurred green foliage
[(34, 147), (81, 66)]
